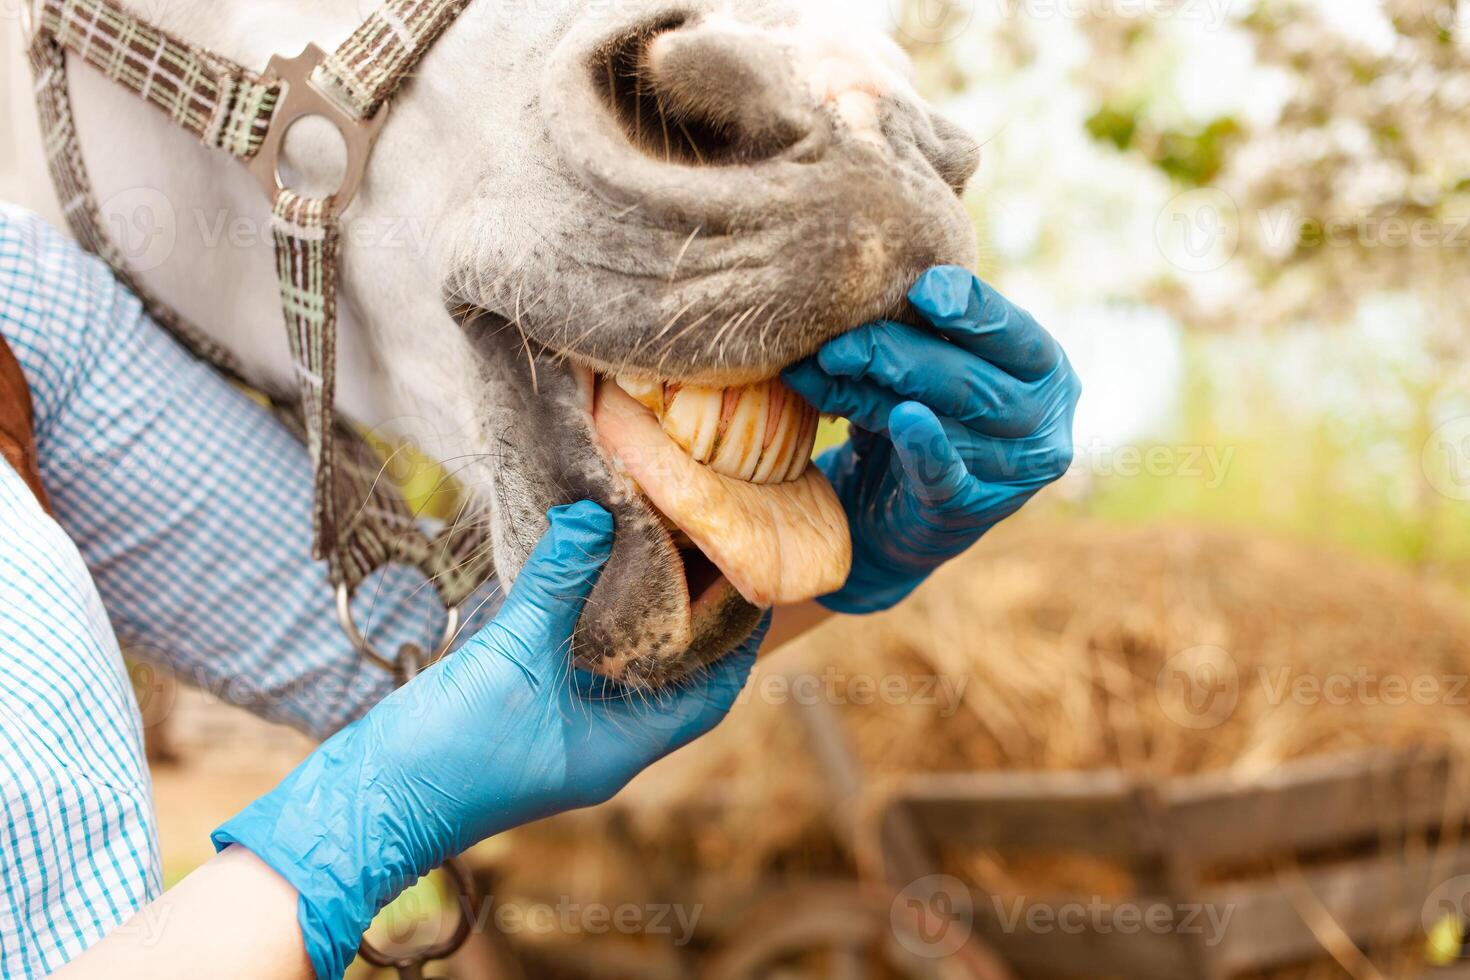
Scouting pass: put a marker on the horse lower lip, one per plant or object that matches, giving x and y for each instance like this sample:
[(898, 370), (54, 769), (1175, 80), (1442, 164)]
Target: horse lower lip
[(704, 585)]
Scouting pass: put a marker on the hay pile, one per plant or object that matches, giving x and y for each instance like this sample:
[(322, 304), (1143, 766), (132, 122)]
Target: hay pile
[(1073, 637), (1063, 631)]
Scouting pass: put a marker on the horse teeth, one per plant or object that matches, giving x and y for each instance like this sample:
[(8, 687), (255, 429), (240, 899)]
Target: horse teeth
[(760, 433)]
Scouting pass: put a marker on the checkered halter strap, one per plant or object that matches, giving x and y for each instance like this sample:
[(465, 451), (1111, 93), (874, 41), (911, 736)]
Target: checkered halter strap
[(361, 523)]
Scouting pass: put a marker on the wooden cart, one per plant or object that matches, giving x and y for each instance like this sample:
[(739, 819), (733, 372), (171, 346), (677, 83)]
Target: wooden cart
[(1228, 873)]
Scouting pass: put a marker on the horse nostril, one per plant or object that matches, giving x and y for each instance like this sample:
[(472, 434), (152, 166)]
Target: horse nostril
[(705, 96)]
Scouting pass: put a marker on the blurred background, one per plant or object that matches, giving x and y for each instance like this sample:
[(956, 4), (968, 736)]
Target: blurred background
[(1249, 603)]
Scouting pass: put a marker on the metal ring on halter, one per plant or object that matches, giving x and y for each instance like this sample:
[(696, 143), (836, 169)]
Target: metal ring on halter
[(301, 97), (370, 652), (464, 889)]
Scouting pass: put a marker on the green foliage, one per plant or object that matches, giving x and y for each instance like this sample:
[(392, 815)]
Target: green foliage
[(1193, 157), (1113, 125)]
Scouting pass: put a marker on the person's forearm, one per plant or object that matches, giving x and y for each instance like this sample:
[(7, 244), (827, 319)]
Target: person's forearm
[(192, 505), (233, 917), (790, 622)]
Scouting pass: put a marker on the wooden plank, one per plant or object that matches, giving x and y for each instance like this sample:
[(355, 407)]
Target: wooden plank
[(1301, 806), (1310, 805), (1173, 874), (1249, 926), (1371, 899), (1093, 812), (1047, 939)]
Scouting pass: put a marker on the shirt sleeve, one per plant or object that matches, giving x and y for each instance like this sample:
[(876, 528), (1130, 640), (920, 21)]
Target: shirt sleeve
[(189, 502), (78, 847)]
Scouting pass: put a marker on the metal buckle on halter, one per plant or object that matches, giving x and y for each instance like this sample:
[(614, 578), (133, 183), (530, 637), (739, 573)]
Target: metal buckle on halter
[(410, 962), (410, 658), (301, 97)]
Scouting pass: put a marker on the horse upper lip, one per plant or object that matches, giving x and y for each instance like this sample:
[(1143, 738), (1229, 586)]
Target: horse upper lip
[(713, 377)]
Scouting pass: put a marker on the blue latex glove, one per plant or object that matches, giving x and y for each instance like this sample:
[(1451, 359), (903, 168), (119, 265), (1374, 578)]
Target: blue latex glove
[(953, 430), (496, 735)]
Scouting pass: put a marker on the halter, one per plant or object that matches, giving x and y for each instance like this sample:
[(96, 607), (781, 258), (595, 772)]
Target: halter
[(359, 524)]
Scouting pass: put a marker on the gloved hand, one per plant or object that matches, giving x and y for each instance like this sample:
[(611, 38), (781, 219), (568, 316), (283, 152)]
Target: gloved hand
[(952, 430), (498, 734)]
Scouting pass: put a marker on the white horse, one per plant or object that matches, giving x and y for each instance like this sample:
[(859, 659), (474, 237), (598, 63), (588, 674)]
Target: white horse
[(699, 191)]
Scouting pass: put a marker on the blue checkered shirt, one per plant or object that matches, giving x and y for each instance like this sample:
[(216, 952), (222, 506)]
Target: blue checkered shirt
[(182, 529)]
